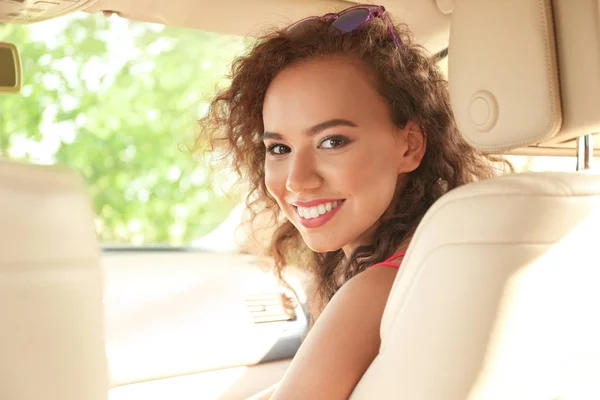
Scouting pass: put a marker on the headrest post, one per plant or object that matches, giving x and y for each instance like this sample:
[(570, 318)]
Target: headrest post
[(585, 152)]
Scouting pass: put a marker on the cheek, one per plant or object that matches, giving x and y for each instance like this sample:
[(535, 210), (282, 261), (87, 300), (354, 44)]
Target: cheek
[(371, 184), (275, 179), (365, 174)]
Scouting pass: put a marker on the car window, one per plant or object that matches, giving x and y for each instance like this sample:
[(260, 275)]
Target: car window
[(117, 101)]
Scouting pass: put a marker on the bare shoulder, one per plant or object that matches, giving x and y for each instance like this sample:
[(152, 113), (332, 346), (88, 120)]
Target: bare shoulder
[(370, 287), (343, 342), (372, 276), (361, 299)]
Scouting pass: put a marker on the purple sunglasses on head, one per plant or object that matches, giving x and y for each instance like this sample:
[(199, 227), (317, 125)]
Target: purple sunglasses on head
[(354, 18)]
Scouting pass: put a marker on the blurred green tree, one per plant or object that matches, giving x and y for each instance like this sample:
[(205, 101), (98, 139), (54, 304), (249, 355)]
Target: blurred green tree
[(116, 101)]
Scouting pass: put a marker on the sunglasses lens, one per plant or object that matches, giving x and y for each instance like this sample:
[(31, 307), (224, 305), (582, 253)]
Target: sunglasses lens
[(351, 20), (304, 25)]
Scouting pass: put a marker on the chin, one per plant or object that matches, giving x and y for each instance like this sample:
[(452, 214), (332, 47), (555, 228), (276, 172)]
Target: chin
[(318, 245)]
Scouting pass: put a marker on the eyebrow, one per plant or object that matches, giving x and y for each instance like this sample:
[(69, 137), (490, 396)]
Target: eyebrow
[(315, 129)]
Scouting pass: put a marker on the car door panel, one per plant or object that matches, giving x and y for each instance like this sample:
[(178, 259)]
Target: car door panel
[(177, 313)]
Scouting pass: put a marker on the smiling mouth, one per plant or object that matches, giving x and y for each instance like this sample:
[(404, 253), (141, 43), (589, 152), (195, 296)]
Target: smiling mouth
[(308, 213)]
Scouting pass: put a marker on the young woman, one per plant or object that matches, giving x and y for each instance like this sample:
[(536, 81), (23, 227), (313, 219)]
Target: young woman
[(344, 130)]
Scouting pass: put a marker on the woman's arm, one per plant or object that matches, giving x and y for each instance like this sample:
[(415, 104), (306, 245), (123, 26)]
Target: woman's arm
[(343, 342)]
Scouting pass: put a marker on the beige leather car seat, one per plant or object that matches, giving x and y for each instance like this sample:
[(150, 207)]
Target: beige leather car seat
[(499, 294), (51, 313)]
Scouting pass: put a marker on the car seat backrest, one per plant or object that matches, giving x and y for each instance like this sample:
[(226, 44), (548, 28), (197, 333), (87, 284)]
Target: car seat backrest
[(51, 311)]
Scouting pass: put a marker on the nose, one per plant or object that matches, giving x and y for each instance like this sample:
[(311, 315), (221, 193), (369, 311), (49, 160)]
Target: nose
[(303, 175)]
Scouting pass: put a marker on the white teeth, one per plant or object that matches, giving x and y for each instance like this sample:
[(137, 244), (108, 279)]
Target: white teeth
[(314, 212)]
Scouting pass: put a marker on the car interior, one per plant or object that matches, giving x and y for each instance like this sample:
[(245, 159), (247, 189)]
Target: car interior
[(497, 297)]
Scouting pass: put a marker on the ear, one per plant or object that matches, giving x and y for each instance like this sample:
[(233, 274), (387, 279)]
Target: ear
[(412, 144)]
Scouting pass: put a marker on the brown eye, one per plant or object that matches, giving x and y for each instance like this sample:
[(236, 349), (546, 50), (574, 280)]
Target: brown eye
[(333, 142), (278, 149)]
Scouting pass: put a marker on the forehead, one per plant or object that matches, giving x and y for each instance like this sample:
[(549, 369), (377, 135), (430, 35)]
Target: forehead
[(317, 90)]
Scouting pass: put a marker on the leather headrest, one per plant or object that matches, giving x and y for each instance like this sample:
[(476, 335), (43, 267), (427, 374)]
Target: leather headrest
[(525, 72)]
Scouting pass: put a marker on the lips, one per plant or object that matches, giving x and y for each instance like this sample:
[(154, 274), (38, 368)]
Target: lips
[(317, 213), (313, 203), (317, 210)]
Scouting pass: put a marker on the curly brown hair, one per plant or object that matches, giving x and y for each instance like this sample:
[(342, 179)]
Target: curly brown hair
[(414, 88)]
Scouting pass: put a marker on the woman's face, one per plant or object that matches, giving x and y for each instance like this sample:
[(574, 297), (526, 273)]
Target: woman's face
[(334, 156)]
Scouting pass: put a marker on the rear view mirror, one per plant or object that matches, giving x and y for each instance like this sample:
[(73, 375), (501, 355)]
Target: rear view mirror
[(10, 69)]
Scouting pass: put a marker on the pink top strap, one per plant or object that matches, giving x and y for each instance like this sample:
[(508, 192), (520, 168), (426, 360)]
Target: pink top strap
[(388, 262)]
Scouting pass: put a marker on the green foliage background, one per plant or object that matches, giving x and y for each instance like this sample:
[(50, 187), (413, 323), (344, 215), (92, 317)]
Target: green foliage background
[(117, 101)]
